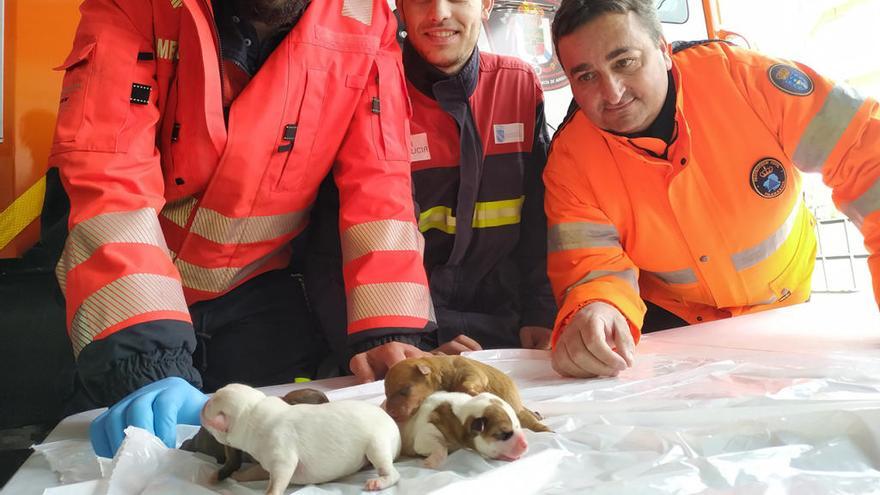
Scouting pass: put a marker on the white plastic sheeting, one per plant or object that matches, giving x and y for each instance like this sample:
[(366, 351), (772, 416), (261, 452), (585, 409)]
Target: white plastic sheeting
[(783, 402)]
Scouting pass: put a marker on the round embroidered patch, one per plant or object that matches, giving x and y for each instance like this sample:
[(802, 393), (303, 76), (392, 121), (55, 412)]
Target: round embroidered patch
[(768, 178), (790, 79)]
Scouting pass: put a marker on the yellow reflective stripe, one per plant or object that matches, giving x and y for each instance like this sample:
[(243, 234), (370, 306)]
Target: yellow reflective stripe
[(676, 277), (178, 211), (486, 214), (824, 131), (217, 280), (132, 227), (24, 210), (438, 217), (381, 235), (579, 235), (389, 299), (750, 257), (628, 276), (498, 213), (215, 226), (122, 299)]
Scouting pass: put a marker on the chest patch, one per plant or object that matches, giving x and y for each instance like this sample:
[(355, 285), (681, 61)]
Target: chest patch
[(509, 133), (768, 178), (790, 79), (418, 150)]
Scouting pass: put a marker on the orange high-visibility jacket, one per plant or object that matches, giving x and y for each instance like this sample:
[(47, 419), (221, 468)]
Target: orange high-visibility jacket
[(171, 205), (719, 227)]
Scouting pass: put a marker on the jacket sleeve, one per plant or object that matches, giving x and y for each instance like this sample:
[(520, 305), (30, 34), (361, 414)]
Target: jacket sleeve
[(536, 297), (127, 318), (826, 128), (385, 285), (585, 258)]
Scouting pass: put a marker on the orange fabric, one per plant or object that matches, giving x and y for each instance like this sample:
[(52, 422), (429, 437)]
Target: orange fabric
[(250, 186), (702, 241)]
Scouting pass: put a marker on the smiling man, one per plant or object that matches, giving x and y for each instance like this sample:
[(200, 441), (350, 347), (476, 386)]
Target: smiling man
[(677, 182), (479, 146)]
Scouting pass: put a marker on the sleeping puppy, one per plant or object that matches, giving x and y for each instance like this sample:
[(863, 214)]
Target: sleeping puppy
[(410, 381), (304, 443), (447, 421), (232, 458)]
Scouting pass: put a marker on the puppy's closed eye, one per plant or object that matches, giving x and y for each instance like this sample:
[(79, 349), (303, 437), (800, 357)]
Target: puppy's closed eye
[(504, 435)]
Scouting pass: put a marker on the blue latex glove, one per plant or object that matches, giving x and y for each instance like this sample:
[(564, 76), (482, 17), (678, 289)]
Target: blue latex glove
[(158, 408)]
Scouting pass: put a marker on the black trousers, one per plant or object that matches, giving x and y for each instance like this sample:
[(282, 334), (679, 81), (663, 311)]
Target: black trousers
[(657, 319), (261, 333)]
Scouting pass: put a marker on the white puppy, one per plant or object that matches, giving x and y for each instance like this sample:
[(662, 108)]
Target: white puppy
[(446, 421), (304, 443)]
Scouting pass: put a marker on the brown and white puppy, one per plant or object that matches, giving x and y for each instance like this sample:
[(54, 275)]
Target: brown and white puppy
[(447, 421), (232, 458), (410, 381), (304, 443)]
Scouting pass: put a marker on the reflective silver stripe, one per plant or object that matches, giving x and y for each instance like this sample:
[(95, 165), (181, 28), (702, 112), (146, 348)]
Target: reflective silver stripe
[(361, 10), (677, 277), (178, 211), (578, 235), (134, 227), (826, 128), (215, 226), (381, 235), (217, 279), (628, 276), (389, 299), (122, 299), (864, 205), (752, 256)]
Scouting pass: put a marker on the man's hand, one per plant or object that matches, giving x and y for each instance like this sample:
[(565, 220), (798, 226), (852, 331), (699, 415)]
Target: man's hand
[(460, 344), (158, 408), (372, 365), (585, 348), (535, 338)]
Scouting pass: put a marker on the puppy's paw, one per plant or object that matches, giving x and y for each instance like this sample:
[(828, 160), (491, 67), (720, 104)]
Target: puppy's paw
[(380, 483)]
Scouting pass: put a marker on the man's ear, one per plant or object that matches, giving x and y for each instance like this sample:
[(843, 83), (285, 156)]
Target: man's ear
[(666, 52), (487, 7)]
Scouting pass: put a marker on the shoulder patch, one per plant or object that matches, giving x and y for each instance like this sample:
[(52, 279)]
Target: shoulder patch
[(790, 79)]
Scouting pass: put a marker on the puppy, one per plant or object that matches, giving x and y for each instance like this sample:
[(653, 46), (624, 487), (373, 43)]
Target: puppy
[(410, 381), (304, 443), (232, 458), (447, 421)]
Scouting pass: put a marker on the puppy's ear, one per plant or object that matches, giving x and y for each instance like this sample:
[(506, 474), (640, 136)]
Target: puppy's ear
[(478, 425), (220, 422), (424, 369)]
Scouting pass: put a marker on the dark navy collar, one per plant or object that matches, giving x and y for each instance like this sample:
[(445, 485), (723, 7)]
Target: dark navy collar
[(435, 84)]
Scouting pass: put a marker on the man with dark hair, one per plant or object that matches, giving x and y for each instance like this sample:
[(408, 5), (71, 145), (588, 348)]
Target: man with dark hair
[(479, 145), (677, 181), (191, 140)]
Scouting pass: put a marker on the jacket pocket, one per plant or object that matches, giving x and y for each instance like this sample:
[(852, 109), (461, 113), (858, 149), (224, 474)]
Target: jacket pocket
[(298, 138), (96, 94), (391, 112)]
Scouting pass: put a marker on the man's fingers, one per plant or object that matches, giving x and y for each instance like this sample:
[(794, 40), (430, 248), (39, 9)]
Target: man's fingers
[(469, 343), (565, 363), (453, 347), (361, 368), (623, 341), (596, 346)]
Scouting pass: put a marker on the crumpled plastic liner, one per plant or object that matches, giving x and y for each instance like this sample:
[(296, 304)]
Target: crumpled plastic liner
[(731, 421)]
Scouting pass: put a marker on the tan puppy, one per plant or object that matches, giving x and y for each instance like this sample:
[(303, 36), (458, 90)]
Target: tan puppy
[(447, 421), (410, 381), (304, 443)]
